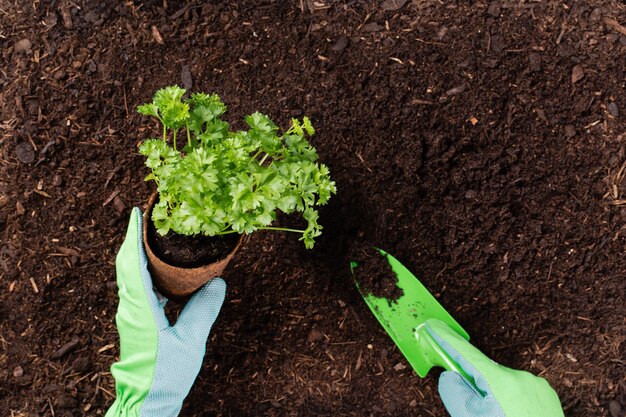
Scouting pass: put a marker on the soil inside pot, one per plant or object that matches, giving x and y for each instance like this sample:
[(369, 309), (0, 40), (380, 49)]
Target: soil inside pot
[(374, 274), (190, 251)]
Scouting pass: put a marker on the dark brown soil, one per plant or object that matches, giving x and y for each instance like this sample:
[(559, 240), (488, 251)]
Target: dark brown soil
[(481, 143), (374, 274)]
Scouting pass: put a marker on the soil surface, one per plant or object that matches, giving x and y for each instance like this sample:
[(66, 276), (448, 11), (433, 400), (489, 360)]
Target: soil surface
[(482, 143)]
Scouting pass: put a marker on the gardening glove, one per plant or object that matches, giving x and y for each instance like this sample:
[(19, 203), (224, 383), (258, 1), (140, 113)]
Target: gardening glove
[(158, 362), (506, 392)]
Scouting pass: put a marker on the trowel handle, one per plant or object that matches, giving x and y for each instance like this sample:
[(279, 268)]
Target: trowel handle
[(440, 357)]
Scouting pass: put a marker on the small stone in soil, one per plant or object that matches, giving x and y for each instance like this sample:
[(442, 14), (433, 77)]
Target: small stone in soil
[(535, 61), (18, 372), (570, 131), (392, 4), (578, 73), (185, 77), (615, 409), (59, 75), (497, 43), (340, 44), (442, 32), (455, 90), (81, 364), (22, 46), (399, 366), (50, 20), (565, 50), (371, 27), (391, 407), (51, 388), (383, 354), (91, 17), (613, 109), (33, 107), (65, 401), (24, 153), (314, 336), (119, 204), (494, 8)]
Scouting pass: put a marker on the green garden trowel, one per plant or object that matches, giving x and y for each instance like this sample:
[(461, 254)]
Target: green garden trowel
[(404, 319)]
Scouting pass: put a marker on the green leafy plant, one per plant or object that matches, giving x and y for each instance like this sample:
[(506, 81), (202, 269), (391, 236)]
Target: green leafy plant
[(227, 181)]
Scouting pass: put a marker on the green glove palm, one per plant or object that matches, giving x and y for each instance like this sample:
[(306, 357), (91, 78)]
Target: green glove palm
[(158, 362), (505, 392)]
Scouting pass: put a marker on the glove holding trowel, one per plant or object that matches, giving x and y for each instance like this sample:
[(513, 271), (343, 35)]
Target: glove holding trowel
[(472, 385)]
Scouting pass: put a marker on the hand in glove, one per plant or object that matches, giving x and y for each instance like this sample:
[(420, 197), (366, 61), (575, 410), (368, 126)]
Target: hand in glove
[(505, 392), (158, 362)]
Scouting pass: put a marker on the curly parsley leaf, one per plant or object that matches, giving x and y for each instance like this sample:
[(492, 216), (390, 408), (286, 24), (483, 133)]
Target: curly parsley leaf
[(231, 181)]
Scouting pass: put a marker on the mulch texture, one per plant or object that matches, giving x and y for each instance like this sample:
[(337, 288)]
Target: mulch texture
[(483, 144)]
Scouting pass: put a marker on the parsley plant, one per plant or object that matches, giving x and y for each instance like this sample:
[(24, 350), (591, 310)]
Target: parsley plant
[(227, 181)]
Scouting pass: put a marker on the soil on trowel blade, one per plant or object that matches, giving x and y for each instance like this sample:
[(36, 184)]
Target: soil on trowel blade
[(374, 274), (190, 251)]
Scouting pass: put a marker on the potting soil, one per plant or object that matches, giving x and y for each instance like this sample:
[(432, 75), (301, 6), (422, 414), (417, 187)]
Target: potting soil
[(482, 143)]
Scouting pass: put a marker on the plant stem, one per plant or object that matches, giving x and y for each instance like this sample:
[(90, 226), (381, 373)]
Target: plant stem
[(230, 232), (188, 135), (164, 133), (263, 159), (175, 140), (282, 229)]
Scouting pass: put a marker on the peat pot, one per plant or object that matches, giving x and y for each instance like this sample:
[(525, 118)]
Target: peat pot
[(175, 282)]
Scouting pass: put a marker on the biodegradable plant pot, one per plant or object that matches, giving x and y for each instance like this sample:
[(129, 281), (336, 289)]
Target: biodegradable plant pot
[(175, 282)]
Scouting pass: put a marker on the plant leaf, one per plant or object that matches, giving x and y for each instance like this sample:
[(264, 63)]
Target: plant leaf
[(225, 180)]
